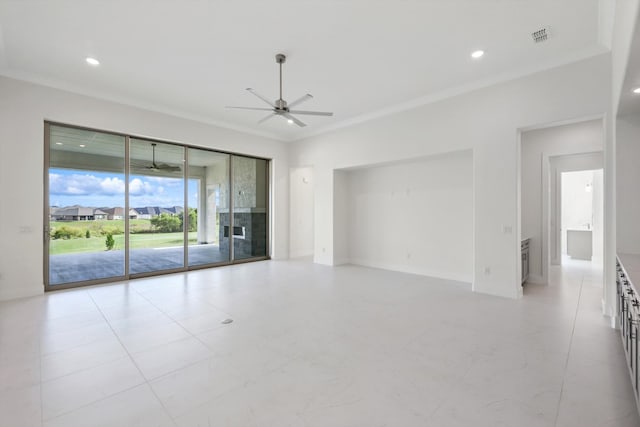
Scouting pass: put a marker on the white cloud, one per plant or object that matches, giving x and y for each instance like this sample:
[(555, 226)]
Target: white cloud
[(138, 187), (112, 186), (99, 189), (79, 185)]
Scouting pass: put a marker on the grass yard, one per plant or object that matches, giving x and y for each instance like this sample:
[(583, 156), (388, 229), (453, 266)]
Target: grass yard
[(141, 236), (138, 241)]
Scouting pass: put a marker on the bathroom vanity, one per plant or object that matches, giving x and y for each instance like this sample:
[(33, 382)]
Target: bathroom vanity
[(579, 244)]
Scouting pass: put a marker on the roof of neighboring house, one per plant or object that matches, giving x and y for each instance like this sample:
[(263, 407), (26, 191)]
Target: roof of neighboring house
[(156, 210), (77, 211), (114, 211)]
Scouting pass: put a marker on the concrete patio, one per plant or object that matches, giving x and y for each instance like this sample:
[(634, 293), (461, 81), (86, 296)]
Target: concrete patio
[(76, 267)]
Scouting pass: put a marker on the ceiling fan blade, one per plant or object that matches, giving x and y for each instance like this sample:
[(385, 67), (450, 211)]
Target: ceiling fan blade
[(301, 100), (249, 108), (312, 113), (264, 119), (296, 121), (264, 98)]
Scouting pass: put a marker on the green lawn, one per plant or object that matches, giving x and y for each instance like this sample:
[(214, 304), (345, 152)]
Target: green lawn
[(138, 241), (98, 229)]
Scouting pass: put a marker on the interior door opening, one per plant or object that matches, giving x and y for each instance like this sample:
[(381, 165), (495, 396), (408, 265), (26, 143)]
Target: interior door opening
[(581, 217)]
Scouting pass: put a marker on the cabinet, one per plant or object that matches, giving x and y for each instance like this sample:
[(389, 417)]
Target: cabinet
[(628, 313)]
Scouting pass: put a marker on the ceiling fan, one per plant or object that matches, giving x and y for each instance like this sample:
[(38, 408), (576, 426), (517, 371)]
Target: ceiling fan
[(280, 107), (158, 167)]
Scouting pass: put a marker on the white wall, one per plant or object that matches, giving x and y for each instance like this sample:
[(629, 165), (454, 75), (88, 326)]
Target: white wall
[(538, 181), (624, 28), (626, 15), (487, 121), (415, 217), (301, 212), (23, 109), (628, 184), (598, 217), (341, 218)]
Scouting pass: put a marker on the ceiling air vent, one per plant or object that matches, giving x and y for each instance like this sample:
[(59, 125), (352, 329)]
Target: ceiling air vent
[(540, 35)]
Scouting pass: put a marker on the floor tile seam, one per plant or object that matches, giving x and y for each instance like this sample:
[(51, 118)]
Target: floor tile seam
[(42, 334), (108, 396), (41, 396), (101, 364), (208, 401), (154, 346), (74, 347), (564, 374), (211, 398), (174, 320), (173, 371), (137, 367)]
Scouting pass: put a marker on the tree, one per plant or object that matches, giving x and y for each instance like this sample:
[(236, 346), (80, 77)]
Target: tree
[(166, 223), (110, 242), (193, 219), (87, 234)]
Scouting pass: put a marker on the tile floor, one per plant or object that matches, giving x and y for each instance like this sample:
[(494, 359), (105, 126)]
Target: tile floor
[(313, 346)]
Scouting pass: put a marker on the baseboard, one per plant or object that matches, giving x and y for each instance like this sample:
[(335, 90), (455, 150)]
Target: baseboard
[(457, 277), (535, 279), (300, 254)]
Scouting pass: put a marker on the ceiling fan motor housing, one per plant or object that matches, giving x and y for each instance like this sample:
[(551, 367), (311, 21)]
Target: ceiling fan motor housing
[(281, 104)]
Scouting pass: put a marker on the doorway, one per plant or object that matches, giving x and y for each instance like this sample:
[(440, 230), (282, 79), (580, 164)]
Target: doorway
[(545, 154), (581, 216)]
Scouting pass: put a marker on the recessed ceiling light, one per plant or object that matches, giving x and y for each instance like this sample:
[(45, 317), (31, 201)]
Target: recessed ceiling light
[(92, 61), (636, 90), (82, 145), (58, 143), (290, 121), (477, 54)]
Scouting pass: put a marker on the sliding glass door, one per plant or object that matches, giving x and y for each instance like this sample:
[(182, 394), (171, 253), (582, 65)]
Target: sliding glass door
[(119, 207), (84, 227), (208, 202), (156, 199), (249, 183)]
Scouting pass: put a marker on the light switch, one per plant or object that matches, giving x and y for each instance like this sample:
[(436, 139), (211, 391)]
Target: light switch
[(507, 229)]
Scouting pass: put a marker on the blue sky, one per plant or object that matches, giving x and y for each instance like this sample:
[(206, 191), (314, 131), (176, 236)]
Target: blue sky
[(102, 189)]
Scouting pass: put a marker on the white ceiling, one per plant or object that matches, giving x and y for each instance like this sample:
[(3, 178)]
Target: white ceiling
[(359, 58)]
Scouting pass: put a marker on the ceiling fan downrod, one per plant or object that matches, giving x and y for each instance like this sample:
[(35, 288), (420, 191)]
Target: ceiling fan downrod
[(281, 104)]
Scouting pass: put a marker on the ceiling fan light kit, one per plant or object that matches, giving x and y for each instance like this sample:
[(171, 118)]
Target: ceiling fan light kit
[(280, 107)]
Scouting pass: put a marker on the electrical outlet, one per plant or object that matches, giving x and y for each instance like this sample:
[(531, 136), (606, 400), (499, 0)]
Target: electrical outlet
[(507, 229), (487, 271)]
